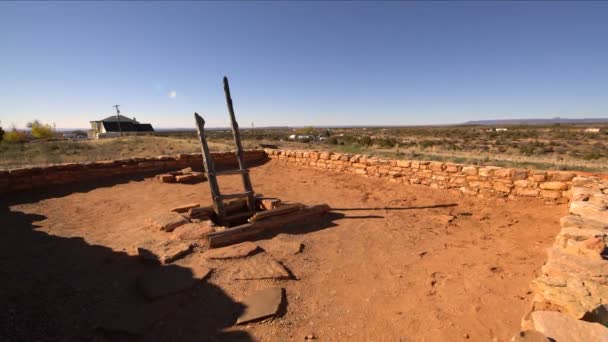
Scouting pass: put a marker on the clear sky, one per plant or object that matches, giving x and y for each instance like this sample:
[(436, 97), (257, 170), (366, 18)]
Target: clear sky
[(320, 63)]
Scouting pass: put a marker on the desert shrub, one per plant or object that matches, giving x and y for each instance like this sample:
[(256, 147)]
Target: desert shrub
[(366, 141), (426, 143), (40, 130), (385, 142), (332, 141), (14, 136)]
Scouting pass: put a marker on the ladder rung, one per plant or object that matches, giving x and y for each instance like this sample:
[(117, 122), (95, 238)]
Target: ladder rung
[(231, 196), (230, 172)]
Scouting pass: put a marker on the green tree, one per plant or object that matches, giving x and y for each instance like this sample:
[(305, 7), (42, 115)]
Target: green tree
[(1, 133), (14, 136), (40, 130)]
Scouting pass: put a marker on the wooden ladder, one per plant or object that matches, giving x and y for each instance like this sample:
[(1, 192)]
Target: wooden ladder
[(211, 173)]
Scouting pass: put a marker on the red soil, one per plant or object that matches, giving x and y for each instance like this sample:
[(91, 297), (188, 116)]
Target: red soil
[(392, 262)]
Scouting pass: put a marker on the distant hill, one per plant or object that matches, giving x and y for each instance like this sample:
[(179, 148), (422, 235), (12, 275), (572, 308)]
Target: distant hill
[(585, 121)]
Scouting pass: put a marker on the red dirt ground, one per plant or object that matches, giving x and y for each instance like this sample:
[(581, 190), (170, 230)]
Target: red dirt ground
[(393, 262)]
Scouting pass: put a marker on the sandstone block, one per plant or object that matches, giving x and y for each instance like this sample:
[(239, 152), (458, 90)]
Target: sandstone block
[(164, 251), (561, 327), (261, 304), (588, 210), (579, 222), (239, 250), (436, 166), (452, 168), (487, 171), (527, 192), (260, 267), (193, 231), (554, 186), (561, 176), (404, 163), (550, 194), (168, 221), (469, 170), (503, 173)]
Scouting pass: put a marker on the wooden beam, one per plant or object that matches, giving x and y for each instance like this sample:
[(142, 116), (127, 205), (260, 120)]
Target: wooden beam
[(250, 231), (282, 210), (209, 167), (239, 148)]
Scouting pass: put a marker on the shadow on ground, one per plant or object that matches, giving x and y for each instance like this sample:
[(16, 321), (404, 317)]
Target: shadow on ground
[(63, 289)]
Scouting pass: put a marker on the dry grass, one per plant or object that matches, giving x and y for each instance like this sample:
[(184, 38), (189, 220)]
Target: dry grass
[(65, 151)]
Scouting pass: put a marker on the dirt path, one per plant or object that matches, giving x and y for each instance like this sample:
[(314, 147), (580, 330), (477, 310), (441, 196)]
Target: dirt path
[(396, 262)]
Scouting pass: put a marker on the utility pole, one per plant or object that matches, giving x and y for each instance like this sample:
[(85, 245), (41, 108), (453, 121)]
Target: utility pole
[(118, 117)]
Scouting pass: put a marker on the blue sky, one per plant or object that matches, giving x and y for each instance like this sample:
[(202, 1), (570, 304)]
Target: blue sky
[(320, 63)]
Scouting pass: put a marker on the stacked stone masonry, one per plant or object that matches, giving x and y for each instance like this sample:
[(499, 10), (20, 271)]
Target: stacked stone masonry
[(482, 181), (574, 280), (24, 179)]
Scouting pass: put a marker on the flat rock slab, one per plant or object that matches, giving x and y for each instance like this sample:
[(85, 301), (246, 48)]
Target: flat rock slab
[(166, 280), (165, 251), (166, 178), (240, 250), (261, 267), (192, 231), (282, 245), (168, 221), (261, 304), (185, 207), (562, 327)]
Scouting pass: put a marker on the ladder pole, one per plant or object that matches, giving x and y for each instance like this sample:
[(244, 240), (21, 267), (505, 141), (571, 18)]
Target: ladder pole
[(239, 147), (218, 206)]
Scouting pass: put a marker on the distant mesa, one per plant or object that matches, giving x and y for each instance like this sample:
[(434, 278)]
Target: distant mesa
[(118, 125), (538, 121)]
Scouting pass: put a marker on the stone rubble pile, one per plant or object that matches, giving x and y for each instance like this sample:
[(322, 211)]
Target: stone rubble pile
[(481, 181), (571, 293), (187, 176)]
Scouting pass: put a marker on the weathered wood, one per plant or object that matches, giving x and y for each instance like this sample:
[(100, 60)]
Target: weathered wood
[(230, 207), (283, 210), (235, 195), (239, 148), (251, 230), (208, 164)]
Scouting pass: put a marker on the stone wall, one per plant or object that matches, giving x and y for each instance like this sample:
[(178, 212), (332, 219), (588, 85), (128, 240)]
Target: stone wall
[(482, 181), (571, 292), (45, 176)]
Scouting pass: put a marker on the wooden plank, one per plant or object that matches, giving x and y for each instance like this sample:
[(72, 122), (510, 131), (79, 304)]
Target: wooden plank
[(283, 210), (251, 230), (230, 207), (239, 148), (208, 164), (236, 195)]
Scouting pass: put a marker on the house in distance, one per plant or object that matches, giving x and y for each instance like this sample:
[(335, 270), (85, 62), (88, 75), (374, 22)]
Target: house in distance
[(117, 126)]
